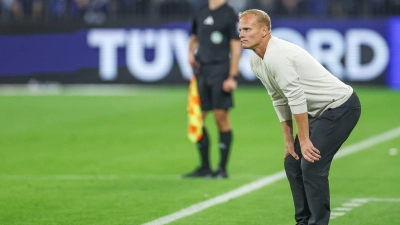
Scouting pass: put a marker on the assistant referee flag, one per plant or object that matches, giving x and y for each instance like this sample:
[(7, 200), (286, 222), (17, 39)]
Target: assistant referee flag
[(195, 118)]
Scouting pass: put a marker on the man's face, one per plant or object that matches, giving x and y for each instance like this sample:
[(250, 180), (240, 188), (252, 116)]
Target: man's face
[(251, 32)]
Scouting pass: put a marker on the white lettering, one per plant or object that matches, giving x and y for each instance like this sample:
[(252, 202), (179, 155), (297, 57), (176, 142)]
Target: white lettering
[(180, 44), (108, 41), (364, 72), (327, 46), (142, 69)]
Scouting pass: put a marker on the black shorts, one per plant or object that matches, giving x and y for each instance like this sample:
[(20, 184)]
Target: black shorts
[(209, 81)]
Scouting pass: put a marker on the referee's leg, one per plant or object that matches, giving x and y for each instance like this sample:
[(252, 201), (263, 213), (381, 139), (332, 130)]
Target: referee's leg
[(328, 132), (221, 102)]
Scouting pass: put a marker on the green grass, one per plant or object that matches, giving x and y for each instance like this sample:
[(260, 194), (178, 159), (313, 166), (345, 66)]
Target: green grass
[(118, 160)]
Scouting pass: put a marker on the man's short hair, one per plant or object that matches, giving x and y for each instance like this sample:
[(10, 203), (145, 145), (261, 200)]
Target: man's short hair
[(261, 16)]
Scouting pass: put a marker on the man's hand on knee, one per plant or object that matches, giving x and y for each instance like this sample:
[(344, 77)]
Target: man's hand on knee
[(309, 152)]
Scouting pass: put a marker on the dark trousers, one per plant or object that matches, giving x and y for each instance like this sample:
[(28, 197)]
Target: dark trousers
[(309, 181)]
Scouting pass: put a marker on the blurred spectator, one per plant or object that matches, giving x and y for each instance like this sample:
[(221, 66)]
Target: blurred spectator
[(175, 9), (268, 6), (32, 8), (380, 7), (98, 11), (291, 8), (394, 7), (22, 9), (79, 7), (92, 11), (58, 8), (238, 5), (5, 9), (338, 8), (317, 7), (134, 7), (364, 8), (197, 4)]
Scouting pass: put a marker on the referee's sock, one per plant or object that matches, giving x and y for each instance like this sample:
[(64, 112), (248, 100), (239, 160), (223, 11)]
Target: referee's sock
[(225, 140), (203, 146)]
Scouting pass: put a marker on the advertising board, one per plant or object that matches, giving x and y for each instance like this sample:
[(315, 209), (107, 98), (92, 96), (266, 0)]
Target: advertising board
[(357, 51)]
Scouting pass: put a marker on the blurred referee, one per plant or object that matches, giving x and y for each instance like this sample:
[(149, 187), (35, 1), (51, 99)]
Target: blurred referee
[(214, 37)]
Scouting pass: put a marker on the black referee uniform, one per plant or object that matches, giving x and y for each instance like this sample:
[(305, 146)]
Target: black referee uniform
[(214, 29)]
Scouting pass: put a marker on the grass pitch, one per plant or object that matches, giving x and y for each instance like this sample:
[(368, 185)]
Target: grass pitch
[(78, 159)]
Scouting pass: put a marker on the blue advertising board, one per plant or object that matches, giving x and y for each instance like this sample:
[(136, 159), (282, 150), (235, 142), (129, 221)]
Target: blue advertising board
[(393, 75), (359, 51)]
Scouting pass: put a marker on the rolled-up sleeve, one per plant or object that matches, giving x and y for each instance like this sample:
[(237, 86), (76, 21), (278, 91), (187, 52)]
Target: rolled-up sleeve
[(284, 113)]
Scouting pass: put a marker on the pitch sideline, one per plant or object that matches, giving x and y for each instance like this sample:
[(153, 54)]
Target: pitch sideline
[(369, 142), (357, 202)]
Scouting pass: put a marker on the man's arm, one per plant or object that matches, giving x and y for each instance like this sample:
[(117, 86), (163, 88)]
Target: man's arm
[(193, 45), (287, 128), (309, 152), (230, 84), (288, 80)]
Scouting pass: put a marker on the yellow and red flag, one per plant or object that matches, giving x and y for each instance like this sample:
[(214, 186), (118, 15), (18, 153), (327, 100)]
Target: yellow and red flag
[(195, 118)]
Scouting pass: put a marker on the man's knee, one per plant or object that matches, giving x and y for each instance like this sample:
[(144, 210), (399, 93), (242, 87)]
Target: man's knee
[(292, 167), (222, 119), (314, 170)]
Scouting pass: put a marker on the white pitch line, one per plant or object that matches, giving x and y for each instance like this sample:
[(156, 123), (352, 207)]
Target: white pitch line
[(362, 200), (357, 202), (384, 199), (351, 204), (56, 89), (367, 143), (341, 209), (334, 214), (219, 199), (389, 135)]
